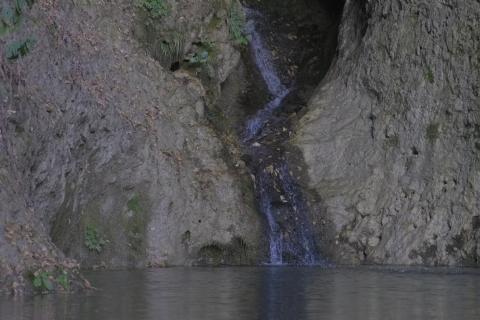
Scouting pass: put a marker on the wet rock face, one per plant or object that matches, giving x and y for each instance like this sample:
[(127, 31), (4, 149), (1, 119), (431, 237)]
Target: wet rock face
[(391, 135), (111, 154)]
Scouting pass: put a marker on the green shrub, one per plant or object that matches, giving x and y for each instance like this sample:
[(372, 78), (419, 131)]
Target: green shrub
[(237, 28), (63, 279), (204, 59), (42, 277), (93, 238)]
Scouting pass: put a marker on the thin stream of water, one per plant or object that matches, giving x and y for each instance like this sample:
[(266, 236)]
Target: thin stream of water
[(263, 60), (281, 201)]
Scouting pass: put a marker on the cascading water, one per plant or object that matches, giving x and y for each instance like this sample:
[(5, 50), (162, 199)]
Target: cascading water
[(290, 236), (263, 60)]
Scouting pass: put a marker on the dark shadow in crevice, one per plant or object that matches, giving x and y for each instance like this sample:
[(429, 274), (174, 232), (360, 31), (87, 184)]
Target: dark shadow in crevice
[(175, 66)]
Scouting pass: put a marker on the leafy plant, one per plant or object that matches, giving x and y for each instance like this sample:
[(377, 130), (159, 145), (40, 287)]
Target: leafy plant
[(209, 43), (63, 279), (10, 20), (93, 238), (20, 48), (42, 278), (165, 47), (203, 58), (176, 43), (237, 28), (429, 76)]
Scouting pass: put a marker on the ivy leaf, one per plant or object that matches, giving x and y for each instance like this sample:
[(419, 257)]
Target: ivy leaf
[(37, 282), (19, 4), (199, 69), (7, 14), (4, 28), (30, 3), (47, 284), (102, 242), (12, 51), (204, 54), (17, 19)]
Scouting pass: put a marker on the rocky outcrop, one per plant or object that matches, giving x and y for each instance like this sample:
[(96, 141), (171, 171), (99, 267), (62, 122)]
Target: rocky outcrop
[(111, 154), (391, 137)]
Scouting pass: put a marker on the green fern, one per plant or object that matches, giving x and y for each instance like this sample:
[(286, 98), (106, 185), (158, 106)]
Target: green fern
[(176, 42), (165, 47)]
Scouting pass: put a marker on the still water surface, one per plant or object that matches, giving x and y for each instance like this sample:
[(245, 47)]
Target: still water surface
[(261, 293)]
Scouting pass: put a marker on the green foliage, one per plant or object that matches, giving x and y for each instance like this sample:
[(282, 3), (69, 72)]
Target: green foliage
[(93, 238), (203, 59), (63, 279), (176, 43), (165, 47), (134, 204), (155, 8), (10, 20), (20, 48), (42, 277), (429, 76), (237, 28), (432, 132)]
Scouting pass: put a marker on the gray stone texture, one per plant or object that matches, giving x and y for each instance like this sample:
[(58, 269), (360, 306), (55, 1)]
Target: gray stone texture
[(94, 133), (391, 136)]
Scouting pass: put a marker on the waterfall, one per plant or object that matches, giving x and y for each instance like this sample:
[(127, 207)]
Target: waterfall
[(281, 200), (263, 60)]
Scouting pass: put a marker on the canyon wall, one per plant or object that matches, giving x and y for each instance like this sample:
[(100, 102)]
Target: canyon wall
[(109, 154), (391, 136)]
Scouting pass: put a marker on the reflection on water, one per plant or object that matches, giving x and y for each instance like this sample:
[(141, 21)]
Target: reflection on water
[(261, 293)]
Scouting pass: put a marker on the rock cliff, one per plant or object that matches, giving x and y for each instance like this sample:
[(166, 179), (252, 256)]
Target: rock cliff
[(116, 151), (109, 152), (391, 136)]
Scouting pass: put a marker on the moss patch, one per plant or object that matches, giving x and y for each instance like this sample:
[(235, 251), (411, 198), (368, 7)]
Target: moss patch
[(135, 225), (432, 133), (134, 204), (429, 76), (211, 253), (393, 141)]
